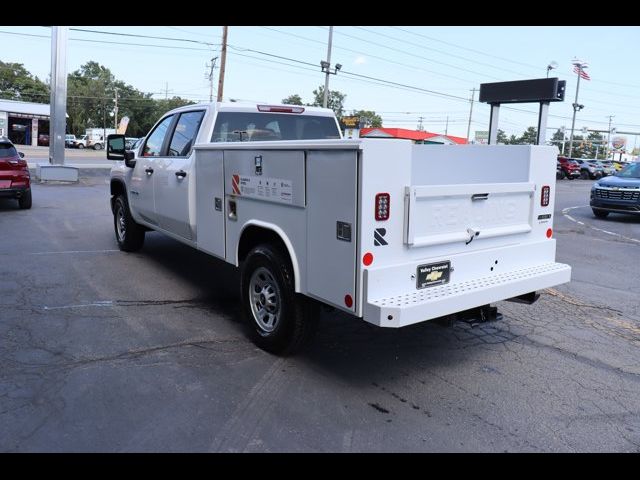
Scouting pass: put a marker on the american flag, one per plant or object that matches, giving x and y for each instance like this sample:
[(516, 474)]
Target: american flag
[(581, 72)]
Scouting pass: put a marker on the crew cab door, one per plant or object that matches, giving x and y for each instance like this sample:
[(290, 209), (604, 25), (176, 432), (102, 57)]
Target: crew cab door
[(141, 192), (173, 176)]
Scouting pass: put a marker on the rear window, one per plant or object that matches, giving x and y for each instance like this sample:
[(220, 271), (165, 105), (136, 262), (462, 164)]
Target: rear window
[(7, 150), (257, 127)]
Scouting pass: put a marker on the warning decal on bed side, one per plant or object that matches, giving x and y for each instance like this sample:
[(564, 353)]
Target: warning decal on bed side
[(265, 188)]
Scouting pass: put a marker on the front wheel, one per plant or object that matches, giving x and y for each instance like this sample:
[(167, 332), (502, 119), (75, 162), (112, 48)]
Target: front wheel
[(97, 146), (129, 234), (280, 321), (80, 146), (600, 213)]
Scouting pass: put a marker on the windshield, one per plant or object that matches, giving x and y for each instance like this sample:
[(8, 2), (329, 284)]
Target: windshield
[(7, 151), (630, 171), (251, 127)]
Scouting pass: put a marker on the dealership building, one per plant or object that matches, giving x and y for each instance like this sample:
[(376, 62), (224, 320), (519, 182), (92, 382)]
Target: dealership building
[(25, 123)]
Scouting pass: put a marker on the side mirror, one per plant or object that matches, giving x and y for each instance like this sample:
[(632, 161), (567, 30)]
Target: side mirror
[(116, 150), (115, 147), (21, 154)]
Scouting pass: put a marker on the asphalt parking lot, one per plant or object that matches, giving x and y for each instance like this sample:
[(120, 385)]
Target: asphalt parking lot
[(107, 351)]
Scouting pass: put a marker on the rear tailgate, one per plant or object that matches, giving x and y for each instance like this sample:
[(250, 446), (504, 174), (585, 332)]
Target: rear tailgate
[(458, 214), (466, 224)]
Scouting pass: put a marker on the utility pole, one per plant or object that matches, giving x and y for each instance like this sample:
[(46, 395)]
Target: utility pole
[(473, 94), (576, 106), (166, 90), (420, 128), (606, 150), (223, 62), (210, 77), (115, 109), (326, 79), (446, 128)]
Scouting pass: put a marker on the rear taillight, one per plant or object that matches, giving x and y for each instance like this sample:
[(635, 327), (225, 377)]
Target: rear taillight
[(545, 195), (279, 109), (383, 205)]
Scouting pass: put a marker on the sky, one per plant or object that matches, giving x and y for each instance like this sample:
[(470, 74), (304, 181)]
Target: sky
[(403, 73)]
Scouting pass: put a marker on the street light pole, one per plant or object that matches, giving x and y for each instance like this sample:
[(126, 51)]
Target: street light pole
[(326, 79), (575, 108), (606, 151)]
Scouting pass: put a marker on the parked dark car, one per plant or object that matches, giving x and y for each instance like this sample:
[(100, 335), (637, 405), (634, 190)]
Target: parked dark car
[(570, 168), (43, 140), (619, 193), (15, 181)]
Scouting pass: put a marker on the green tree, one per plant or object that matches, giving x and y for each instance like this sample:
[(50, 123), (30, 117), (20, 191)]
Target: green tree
[(16, 83), (557, 139), (293, 100), (502, 137), (91, 101), (335, 100), (368, 118), (529, 136)]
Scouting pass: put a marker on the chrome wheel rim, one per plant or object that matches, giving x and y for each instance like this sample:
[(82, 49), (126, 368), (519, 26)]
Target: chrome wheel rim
[(265, 298), (121, 228)]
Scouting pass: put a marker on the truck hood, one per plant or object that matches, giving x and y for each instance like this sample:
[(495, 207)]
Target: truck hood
[(619, 182)]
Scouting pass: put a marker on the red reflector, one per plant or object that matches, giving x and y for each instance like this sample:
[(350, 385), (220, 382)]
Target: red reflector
[(549, 233), (367, 259), (279, 109), (544, 197), (383, 206), (348, 301)]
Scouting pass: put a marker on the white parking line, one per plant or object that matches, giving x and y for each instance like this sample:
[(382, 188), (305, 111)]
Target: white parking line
[(106, 303), (564, 212), (73, 251)]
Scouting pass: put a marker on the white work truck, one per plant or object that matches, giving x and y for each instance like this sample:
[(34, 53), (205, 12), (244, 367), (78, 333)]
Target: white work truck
[(374, 227)]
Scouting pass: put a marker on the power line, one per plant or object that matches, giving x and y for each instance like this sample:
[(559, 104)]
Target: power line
[(108, 42), (440, 51), (416, 56)]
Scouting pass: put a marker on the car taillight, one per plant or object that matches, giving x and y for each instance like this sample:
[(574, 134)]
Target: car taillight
[(544, 197), (279, 109), (383, 205)]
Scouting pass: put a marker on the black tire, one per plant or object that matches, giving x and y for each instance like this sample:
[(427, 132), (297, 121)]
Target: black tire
[(80, 146), (570, 177), (584, 174), (294, 316), (25, 200), (129, 234), (97, 146), (600, 213)]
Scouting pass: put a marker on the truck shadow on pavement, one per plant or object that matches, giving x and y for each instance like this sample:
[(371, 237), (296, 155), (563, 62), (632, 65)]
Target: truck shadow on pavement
[(345, 346)]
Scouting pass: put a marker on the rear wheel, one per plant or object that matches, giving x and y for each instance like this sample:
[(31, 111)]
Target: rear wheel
[(80, 146), (280, 320), (600, 213), (25, 200), (129, 234)]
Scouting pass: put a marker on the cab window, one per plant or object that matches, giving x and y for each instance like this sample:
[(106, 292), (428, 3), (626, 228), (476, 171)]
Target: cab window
[(184, 135), (153, 146)]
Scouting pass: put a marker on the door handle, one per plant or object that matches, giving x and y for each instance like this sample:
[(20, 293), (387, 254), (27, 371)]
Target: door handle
[(181, 174), (148, 170), (479, 196)]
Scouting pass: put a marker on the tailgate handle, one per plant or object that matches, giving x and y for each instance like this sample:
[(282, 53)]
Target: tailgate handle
[(479, 196)]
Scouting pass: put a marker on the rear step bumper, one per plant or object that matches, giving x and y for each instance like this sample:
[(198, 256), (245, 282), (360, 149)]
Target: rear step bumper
[(429, 303)]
